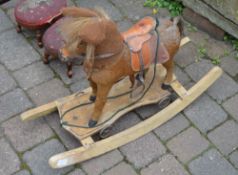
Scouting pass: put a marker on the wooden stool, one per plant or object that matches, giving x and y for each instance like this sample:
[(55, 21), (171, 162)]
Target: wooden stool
[(53, 41), (37, 15)]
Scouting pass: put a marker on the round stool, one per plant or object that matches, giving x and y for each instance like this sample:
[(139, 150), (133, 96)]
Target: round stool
[(37, 14), (53, 41)]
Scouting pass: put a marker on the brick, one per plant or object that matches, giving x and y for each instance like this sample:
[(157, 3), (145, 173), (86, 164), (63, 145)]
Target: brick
[(205, 113), (15, 52), (9, 161), (24, 135), (133, 9), (7, 83), (1, 132), (225, 137), (211, 163), (198, 38), (172, 127), (128, 120), (181, 76), (100, 164), (122, 168), (33, 75), (231, 106), (68, 140), (109, 8), (143, 151), (124, 25), (48, 92), (23, 172), (37, 158), (5, 22), (188, 144), (77, 172), (230, 64), (61, 69), (217, 48), (186, 55), (234, 158), (222, 89), (13, 103), (147, 111), (203, 23), (79, 86), (167, 165)]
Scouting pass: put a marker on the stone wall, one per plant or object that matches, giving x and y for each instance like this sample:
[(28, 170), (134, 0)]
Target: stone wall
[(223, 13)]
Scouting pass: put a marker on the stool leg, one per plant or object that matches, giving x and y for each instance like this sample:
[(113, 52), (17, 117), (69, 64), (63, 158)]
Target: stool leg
[(69, 69), (19, 28), (38, 37), (45, 59)]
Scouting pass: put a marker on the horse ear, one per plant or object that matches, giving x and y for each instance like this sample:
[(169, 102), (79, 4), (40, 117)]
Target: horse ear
[(78, 12), (93, 32)]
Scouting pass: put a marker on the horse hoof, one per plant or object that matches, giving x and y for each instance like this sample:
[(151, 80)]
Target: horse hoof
[(92, 98), (92, 123), (166, 87)]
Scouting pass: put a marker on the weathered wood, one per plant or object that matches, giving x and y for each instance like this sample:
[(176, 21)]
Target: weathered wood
[(179, 89), (81, 154)]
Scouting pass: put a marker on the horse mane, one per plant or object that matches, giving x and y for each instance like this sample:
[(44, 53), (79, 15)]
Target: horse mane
[(71, 26)]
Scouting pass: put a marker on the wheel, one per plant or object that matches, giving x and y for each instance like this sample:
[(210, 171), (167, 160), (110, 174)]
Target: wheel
[(164, 102), (106, 132)]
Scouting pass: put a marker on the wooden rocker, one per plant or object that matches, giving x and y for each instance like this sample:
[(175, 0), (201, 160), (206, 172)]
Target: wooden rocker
[(74, 116)]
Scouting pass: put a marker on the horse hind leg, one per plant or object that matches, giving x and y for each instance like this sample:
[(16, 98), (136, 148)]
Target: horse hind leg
[(169, 66), (94, 91)]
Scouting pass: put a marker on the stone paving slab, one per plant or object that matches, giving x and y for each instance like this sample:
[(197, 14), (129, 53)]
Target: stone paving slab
[(133, 9), (230, 64), (7, 83), (25, 135), (13, 103), (211, 163), (172, 127), (9, 161), (188, 144), (225, 137), (5, 22), (102, 163), (77, 172), (234, 158), (231, 106), (23, 172), (33, 75), (222, 89), (37, 158), (205, 113), (48, 92), (15, 51), (68, 139), (143, 151), (122, 168), (167, 165), (109, 8)]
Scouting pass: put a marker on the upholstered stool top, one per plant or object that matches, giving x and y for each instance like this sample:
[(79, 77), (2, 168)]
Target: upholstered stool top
[(52, 39), (36, 13)]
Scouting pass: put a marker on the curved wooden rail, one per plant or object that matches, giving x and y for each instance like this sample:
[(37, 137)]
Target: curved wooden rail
[(95, 149)]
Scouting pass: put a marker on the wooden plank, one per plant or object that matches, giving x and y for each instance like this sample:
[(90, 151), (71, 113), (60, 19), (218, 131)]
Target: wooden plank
[(81, 154), (184, 41), (87, 142), (179, 89), (39, 111)]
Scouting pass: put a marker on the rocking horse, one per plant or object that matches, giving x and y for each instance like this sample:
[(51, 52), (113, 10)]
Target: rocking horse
[(110, 55), (117, 62)]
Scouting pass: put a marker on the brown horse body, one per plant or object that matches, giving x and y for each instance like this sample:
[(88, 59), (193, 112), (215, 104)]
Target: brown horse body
[(108, 58)]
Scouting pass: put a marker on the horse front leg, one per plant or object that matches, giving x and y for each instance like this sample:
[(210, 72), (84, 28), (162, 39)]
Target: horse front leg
[(169, 66), (94, 91), (101, 99)]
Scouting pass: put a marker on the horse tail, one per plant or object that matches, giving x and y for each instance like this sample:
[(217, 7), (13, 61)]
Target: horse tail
[(178, 22)]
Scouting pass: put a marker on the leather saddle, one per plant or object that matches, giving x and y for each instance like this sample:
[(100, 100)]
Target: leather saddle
[(141, 38)]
